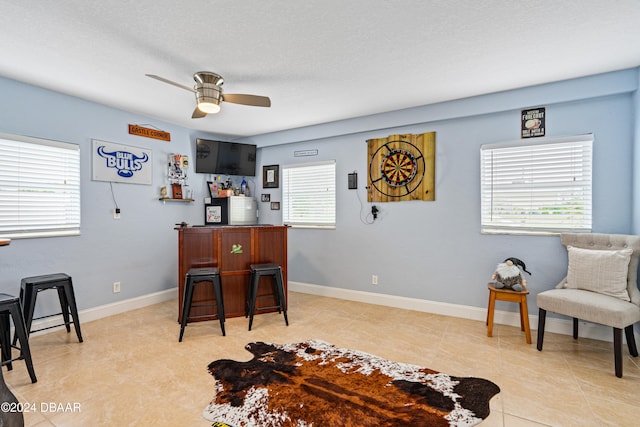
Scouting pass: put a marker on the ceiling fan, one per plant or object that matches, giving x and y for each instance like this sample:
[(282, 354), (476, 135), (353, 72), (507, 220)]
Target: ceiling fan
[(208, 90)]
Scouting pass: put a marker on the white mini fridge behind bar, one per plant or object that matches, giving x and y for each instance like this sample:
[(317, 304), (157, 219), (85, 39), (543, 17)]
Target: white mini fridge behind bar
[(232, 210)]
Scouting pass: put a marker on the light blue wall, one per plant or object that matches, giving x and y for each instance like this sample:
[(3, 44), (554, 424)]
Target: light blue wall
[(434, 250), (427, 250), (140, 249)]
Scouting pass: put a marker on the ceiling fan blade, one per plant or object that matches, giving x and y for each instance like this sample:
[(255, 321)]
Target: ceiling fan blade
[(162, 79), (253, 100), (198, 114)]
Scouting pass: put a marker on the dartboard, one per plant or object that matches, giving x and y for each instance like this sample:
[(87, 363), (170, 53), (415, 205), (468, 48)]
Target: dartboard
[(396, 168)]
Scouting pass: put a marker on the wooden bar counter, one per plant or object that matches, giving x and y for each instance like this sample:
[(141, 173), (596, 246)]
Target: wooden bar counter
[(232, 249)]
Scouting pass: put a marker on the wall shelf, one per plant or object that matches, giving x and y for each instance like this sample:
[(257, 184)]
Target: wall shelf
[(168, 199)]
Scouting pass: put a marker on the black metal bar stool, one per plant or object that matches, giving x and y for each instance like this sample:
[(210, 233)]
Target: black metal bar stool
[(193, 277), (9, 417), (10, 309), (275, 271), (31, 286)]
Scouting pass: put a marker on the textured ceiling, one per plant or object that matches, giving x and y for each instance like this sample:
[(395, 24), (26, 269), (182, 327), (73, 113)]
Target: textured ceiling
[(318, 61)]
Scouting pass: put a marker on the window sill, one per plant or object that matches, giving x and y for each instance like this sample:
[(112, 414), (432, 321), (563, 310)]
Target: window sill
[(316, 227), (41, 234), (531, 232)]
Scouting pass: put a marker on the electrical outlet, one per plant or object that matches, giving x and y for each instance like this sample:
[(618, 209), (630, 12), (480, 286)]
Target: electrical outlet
[(374, 279), (116, 287), (116, 214)]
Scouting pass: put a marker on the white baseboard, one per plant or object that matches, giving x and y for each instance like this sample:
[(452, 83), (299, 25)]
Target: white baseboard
[(107, 310), (511, 318)]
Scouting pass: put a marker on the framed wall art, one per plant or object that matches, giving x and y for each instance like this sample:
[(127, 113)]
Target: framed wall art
[(215, 214), (270, 176)]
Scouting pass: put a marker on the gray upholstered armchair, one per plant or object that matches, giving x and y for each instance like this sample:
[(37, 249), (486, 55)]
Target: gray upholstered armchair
[(601, 287)]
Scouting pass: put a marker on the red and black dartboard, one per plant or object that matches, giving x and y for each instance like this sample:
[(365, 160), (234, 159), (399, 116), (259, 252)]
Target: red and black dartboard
[(398, 168)]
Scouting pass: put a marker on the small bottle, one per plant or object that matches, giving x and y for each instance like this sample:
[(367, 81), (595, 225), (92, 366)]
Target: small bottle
[(243, 186)]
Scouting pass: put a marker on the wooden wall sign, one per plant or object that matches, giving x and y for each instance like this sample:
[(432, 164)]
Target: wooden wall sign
[(149, 133), (402, 168)]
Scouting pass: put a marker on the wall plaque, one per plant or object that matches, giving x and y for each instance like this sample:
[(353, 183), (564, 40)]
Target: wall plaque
[(532, 122), (149, 133)]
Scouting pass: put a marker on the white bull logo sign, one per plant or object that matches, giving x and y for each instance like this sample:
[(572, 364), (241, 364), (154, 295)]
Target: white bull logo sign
[(126, 163)]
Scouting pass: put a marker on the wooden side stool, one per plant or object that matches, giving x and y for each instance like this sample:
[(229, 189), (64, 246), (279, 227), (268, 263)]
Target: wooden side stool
[(510, 296)]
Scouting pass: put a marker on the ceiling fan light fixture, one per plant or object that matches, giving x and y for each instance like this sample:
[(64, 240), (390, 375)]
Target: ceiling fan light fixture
[(208, 107)]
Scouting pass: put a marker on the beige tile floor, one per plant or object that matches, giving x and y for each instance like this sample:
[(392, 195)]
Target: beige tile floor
[(131, 370)]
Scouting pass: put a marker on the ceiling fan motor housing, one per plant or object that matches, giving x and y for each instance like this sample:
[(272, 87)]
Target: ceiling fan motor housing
[(208, 91), (208, 77)]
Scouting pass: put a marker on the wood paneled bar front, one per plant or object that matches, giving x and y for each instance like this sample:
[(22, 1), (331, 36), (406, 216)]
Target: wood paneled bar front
[(232, 249)]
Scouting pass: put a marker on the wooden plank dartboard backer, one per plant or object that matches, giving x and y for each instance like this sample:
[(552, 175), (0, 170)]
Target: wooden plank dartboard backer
[(402, 168)]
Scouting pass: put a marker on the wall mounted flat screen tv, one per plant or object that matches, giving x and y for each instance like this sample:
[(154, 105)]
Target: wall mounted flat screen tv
[(225, 158)]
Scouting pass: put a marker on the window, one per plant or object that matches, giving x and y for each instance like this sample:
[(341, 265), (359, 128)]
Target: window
[(537, 188), (39, 187), (309, 195)]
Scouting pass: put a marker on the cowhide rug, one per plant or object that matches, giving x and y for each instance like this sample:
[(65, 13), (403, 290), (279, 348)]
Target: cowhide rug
[(314, 383)]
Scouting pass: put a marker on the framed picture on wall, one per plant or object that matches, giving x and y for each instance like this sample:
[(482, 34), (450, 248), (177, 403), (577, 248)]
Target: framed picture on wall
[(270, 176), (275, 206), (215, 215), (265, 197)]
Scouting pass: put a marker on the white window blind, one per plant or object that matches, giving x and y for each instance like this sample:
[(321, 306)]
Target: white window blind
[(309, 195), (537, 188), (39, 187)]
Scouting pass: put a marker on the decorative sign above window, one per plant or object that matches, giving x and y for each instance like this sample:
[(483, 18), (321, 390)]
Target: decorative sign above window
[(121, 163), (401, 168), (532, 122), (303, 153)]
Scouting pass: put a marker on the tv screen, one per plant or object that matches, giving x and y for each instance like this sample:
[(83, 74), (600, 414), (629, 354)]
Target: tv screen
[(225, 158)]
